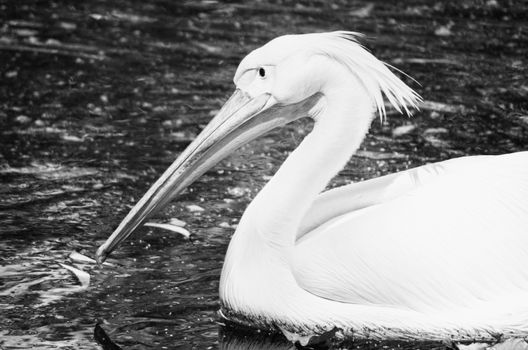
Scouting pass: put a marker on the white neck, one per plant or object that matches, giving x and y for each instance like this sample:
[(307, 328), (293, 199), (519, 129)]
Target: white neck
[(269, 226), (338, 132)]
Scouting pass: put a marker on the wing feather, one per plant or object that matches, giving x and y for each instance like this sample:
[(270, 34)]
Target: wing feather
[(449, 235), (346, 199)]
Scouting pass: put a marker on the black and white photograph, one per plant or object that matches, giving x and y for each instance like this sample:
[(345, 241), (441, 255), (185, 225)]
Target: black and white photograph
[(264, 175)]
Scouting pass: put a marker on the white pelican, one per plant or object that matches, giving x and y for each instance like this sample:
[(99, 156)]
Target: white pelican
[(436, 252)]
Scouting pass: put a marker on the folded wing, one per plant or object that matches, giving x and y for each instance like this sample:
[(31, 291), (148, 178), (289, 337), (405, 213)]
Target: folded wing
[(446, 235)]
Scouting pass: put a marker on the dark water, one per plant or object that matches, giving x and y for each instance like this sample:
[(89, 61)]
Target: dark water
[(97, 98)]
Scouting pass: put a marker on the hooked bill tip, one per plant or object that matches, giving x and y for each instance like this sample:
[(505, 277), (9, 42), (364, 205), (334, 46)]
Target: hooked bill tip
[(100, 255)]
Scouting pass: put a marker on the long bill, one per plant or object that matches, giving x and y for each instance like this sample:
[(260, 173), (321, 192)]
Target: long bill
[(241, 119)]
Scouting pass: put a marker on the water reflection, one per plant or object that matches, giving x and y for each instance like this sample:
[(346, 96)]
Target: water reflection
[(232, 338), (237, 339)]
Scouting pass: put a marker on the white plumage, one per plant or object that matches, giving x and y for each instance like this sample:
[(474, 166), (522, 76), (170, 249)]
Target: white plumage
[(435, 252)]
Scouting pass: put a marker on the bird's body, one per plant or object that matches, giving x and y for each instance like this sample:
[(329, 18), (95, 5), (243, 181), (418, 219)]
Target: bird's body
[(382, 259), (435, 252)]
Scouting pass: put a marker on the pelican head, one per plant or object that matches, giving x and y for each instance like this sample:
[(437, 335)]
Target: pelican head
[(289, 78)]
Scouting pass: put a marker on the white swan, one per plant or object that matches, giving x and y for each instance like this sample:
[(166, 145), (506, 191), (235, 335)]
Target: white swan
[(435, 252)]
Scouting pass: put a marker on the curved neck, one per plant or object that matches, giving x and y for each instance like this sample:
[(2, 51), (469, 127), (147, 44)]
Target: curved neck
[(338, 132)]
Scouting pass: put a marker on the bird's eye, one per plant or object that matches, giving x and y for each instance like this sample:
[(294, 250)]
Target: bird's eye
[(262, 72)]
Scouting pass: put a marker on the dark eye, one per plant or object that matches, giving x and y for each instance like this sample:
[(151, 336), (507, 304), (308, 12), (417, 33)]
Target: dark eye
[(262, 72)]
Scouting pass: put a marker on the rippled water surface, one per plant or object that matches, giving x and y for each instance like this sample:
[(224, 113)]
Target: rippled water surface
[(97, 98)]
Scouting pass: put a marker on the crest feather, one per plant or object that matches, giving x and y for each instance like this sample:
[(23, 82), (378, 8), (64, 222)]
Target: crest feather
[(374, 74)]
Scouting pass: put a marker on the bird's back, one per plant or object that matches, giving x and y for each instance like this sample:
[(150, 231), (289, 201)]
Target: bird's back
[(454, 244)]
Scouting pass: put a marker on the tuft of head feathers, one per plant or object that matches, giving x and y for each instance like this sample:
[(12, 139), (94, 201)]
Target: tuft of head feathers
[(374, 74), (344, 48)]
